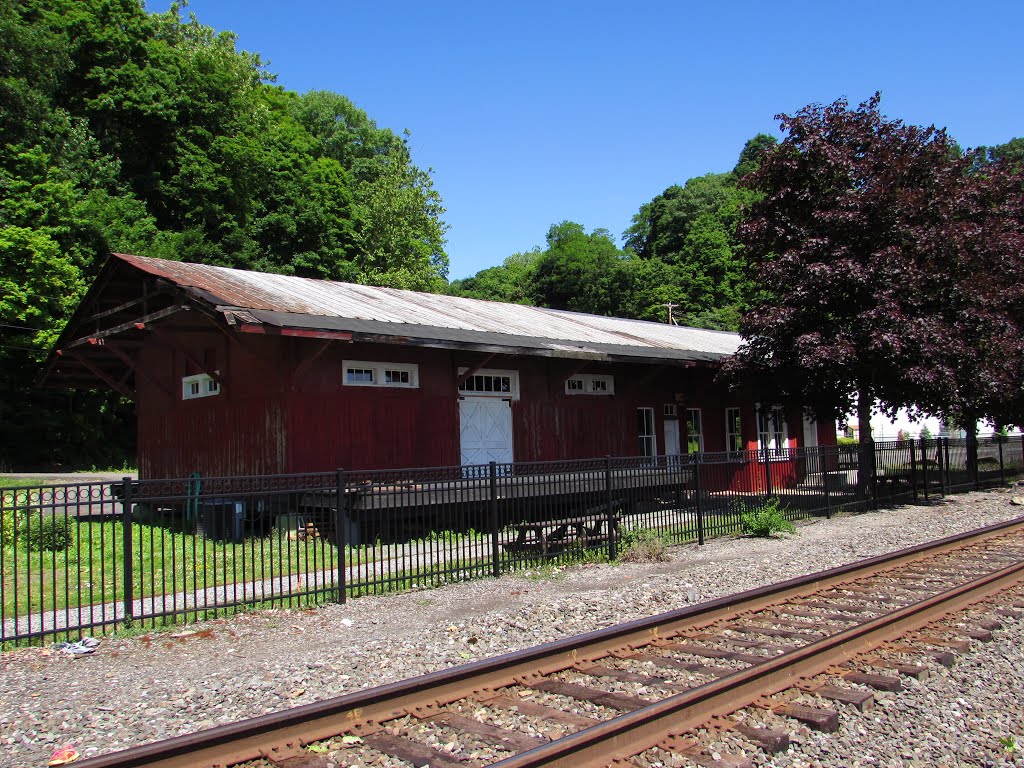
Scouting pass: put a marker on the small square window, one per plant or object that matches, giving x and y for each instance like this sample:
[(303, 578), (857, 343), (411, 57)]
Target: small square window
[(199, 385), (590, 384), (359, 376), (363, 373)]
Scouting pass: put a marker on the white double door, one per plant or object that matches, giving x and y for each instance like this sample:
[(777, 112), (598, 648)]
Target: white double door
[(485, 426)]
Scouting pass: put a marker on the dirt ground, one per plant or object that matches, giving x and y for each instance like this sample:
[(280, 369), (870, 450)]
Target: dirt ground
[(61, 478)]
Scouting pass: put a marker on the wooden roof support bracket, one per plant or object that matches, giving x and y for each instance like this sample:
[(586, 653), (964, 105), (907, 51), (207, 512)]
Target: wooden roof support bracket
[(649, 376), (132, 325), (128, 361), (302, 367), (114, 310), (579, 369), (473, 369), (170, 341), (118, 387)]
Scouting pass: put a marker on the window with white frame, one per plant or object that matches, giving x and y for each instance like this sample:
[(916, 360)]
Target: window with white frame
[(694, 431), (200, 385), (590, 384), (361, 373), (733, 431), (490, 383), (669, 410), (771, 430), (645, 431)]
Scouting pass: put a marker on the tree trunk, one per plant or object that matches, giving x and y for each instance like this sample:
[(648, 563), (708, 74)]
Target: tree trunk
[(866, 446), (971, 428)]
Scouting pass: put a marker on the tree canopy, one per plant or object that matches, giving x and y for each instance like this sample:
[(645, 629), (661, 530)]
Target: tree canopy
[(153, 134), (891, 271), (680, 250)]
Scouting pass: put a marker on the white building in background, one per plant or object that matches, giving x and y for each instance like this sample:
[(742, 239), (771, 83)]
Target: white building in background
[(884, 428)]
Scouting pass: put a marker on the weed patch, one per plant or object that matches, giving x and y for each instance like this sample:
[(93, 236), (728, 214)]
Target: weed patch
[(766, 520), (643, 545)]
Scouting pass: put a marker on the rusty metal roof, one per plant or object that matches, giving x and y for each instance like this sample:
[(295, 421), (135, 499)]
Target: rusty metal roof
[(433, 319)]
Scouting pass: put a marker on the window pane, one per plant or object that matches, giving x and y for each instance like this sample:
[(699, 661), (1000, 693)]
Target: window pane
[(359, 375)]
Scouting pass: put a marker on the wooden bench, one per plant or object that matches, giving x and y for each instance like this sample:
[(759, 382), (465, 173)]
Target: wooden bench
[(547, 536)]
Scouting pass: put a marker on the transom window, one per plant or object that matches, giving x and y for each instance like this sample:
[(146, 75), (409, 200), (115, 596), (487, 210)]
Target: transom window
[(590, 384), (360, 373), (490, 383), (200, 385)]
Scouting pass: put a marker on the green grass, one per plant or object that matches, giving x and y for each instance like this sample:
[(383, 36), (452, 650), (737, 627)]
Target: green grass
[(91, 570)]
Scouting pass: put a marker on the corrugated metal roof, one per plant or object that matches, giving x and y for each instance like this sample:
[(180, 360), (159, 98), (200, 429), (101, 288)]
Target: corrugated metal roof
[(306, 303)]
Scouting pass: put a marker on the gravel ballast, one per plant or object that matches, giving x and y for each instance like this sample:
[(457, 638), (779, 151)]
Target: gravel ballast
[(138, 689)]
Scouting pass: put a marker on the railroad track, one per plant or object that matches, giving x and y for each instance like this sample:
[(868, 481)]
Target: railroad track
[(789, 651)]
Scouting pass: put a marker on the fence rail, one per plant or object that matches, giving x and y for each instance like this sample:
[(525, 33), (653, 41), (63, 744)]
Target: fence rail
[(92, 557)]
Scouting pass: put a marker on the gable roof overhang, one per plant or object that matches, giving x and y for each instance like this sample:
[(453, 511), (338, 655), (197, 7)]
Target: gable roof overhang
[(133, 296)]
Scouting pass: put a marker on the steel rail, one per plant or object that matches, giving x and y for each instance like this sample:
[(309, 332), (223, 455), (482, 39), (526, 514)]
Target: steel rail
[(281, 733), (642, 729)]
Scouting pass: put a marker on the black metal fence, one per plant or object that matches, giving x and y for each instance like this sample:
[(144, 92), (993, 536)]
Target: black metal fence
[(146, 553)]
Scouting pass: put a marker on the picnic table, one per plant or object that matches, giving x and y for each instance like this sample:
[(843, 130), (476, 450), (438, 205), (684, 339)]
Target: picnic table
[(547, 536)]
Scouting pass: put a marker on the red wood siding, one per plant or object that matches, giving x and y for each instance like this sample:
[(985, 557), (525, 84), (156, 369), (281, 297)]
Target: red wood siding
[(283, 407)]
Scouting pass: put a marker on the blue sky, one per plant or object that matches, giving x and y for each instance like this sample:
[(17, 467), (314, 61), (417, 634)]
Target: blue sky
[(531, 113)]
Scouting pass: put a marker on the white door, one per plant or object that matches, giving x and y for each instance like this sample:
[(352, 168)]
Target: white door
[(671, 437), (485, 426)]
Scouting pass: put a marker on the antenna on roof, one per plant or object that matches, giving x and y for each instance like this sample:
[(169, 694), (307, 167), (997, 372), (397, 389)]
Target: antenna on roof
[(671, 306)]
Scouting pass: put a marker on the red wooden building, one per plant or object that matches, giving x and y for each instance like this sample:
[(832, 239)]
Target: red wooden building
[(237, 372)]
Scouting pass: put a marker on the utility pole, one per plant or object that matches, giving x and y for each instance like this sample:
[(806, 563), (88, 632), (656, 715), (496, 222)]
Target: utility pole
[(671, 319)]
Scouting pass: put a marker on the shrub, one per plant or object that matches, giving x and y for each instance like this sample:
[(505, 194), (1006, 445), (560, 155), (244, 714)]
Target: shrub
[(766, 520), (643, 545), (10, 522), (847, 441), (48, 533)]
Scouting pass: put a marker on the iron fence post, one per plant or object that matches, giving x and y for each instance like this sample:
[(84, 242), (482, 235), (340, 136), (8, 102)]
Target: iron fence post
[(924, 471), (699, 493), (873, 478), (126, 530), (767, 473), (949, 475), (939, 466), (341, 536), (610, 502), (913, 468), (1002, 471), (492, 475), (823, 463)]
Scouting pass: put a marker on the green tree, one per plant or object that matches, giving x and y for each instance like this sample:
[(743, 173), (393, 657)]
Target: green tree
[(753, 151), (509, 282), (151, 134), (578, 271), (1011, 153), (693, 228)]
